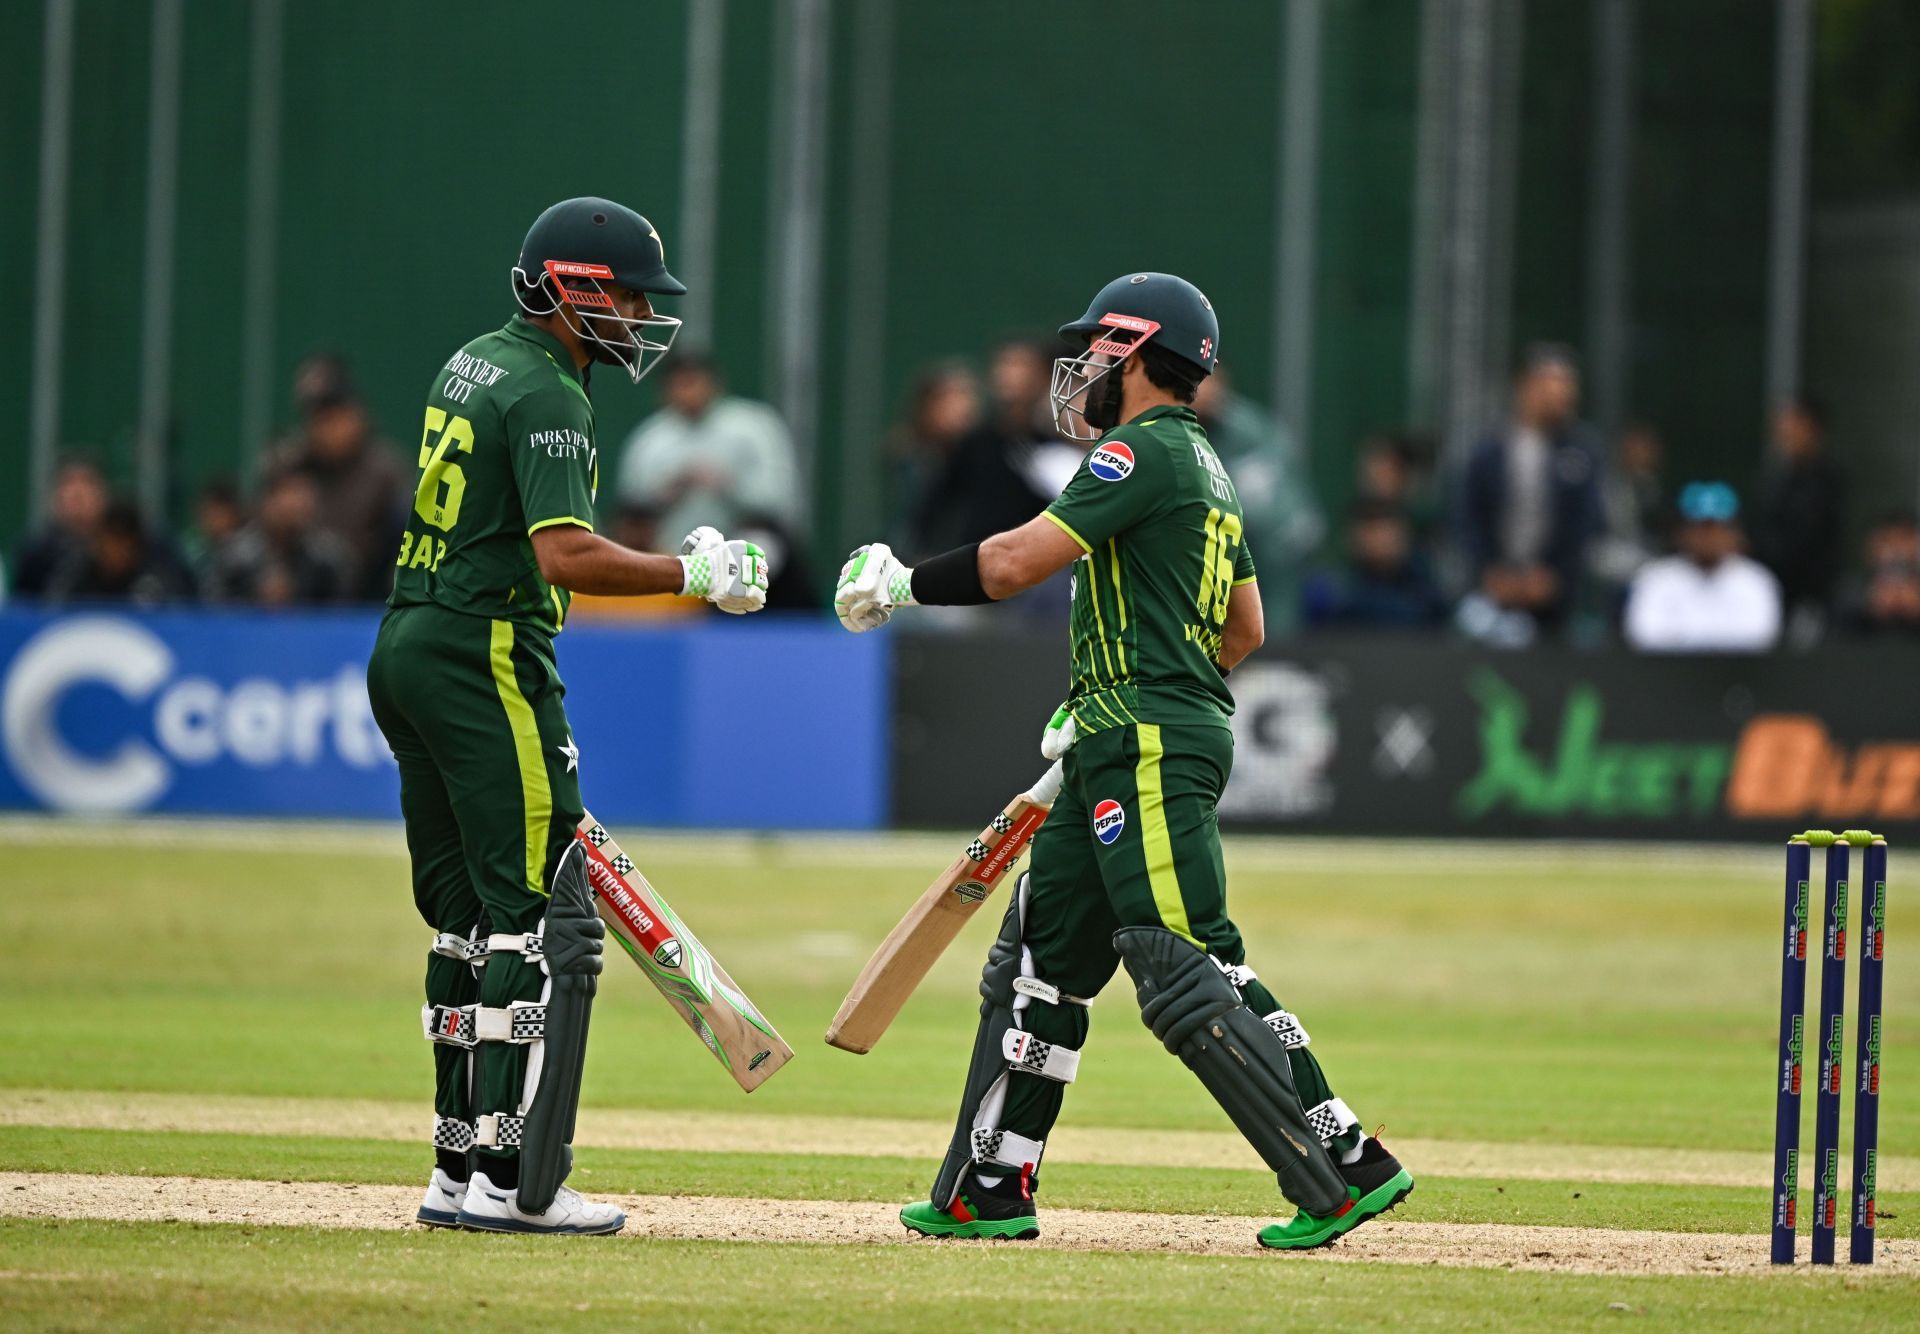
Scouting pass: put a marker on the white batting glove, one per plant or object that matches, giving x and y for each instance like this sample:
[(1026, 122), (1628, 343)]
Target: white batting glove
[(1058, 738), (730, 575), (872, 583), (704, 538)]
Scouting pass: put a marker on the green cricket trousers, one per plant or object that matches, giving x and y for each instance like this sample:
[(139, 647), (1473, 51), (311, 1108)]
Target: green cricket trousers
[(1133, 840), (490, 790)]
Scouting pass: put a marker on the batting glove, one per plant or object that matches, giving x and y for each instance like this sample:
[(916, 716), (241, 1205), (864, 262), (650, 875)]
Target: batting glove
[(732, 575), (1058, 738), (702, 539), (872, 583)]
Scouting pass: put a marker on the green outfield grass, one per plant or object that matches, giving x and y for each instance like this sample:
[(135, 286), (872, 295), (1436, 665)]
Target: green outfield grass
[(128, 1276), (1532, 997)]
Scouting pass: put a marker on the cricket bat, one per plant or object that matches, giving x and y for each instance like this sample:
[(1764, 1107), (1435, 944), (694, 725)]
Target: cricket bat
[(677, 963), (923, 935)]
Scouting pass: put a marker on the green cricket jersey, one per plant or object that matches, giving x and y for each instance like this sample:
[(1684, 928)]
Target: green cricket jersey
[(1160, 523), (507, 449)]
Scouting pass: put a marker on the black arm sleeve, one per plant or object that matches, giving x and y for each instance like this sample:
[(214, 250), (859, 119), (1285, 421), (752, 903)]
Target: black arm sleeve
[(951, 579)]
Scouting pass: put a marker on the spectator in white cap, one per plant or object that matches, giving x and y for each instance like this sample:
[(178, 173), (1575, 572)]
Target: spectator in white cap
[(1708, 597)]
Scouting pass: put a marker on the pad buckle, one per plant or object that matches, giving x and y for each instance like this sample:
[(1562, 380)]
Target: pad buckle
[(450, 946), (498, 1132), (467, 1025)]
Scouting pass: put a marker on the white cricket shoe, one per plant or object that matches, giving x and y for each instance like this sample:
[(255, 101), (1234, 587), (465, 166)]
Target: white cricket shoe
[(490, 1209), (441, 1207)]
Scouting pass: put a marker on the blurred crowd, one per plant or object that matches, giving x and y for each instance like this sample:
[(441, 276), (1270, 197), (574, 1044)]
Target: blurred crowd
[(322, 520), (1539, 530)]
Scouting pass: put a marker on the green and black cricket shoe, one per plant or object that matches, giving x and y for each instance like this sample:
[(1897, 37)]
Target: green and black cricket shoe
[(1376, 1182), (979, 1212)]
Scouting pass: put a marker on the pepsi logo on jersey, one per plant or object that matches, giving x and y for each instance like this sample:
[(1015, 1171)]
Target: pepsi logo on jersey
[(1111, 462), (1109, 821)]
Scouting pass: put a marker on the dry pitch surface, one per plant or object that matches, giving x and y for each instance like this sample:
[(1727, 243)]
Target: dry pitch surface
[(723, 1218)]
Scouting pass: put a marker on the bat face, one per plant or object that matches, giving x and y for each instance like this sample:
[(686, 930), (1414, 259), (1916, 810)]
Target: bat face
[(912, 948), (675, 961)]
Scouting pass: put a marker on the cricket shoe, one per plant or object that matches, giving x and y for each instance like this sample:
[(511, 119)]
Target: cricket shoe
[(491, 1209), (441, 1207), (977, 1213), (1376, 1182)]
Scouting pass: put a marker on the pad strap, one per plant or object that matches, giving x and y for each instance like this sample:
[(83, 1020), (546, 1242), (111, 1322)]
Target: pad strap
[(1046, 991), (452, 1133), (498, 1132), (1330, 1118), (1237, 973), (1290, 1029), (1006, 1149), (1026, 1052), (532, 945), (466, 1025)]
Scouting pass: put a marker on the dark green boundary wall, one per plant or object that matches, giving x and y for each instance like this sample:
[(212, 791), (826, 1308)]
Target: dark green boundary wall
[(1395, 737), (1035, 150)]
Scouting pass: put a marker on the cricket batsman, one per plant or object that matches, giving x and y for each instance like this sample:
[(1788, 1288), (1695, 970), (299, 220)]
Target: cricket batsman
[(1127, 869), (465, 686)]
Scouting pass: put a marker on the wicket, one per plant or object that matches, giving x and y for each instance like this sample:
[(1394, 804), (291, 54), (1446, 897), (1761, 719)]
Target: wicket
[(1833, 1006)]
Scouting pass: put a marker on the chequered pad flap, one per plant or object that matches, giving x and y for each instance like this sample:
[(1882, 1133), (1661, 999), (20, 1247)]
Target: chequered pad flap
[(1329, 1118), (451, 1133), (1026, 1052), (1291, 1031)]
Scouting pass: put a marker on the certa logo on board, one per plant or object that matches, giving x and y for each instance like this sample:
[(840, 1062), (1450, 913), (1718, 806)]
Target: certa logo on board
[(1112, 462), (1108, 821)]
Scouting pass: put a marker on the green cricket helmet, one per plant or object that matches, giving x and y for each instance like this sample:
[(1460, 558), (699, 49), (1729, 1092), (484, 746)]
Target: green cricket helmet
[(1124, 316), (576, 247)]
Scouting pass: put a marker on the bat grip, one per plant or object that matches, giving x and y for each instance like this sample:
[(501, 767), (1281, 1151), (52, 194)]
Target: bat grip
[(1044, 791)]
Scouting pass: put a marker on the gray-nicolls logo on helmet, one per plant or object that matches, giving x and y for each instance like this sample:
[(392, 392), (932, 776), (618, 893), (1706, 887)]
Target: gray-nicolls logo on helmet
[(572, 253), (1155, 315)]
